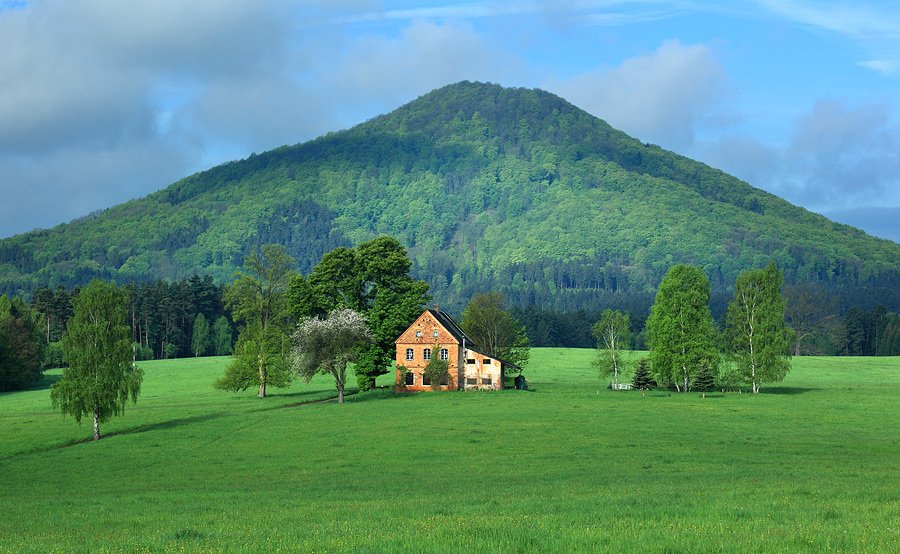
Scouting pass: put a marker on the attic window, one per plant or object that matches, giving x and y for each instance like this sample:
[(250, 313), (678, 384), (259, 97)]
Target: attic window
[(487, 361), (418, 333), (470, 361), (435, 333)]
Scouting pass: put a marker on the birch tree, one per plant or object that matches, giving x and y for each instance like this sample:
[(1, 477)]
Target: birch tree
[(326, 346), (101, 375), (754, 327), (680, 329), (611, 333)]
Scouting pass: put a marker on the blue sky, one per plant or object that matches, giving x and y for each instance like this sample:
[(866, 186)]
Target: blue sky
[(102, 101)]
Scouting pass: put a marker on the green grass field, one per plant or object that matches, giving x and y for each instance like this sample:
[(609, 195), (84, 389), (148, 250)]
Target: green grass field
[(812, 464)]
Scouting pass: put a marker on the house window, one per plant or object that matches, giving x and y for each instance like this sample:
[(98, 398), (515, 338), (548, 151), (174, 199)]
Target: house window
[(486, 380), (426, 354), (425, 380), (418, 333), (445, 355), (471, 380), (486, 361), (410, 378), (409, 354), (445, 380), (435, 333), (470, 361)]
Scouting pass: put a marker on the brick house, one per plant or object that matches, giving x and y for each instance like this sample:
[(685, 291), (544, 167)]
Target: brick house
[(434, 333)]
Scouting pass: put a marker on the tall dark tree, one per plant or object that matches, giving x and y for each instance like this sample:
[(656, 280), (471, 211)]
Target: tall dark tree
[(754, 327), (374, 279), (258, 300), (101, 376), (22, 344), (680, 328)]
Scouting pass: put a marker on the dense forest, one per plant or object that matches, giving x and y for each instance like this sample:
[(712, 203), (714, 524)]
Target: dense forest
[(489, 188)]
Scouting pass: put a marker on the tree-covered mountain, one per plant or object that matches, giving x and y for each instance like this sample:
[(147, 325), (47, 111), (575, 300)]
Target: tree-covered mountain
[(490, 188)]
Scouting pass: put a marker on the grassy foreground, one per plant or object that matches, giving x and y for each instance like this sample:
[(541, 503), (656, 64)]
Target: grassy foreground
[(809, 465)]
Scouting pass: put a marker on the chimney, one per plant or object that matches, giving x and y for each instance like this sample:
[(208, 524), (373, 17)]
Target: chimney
[(437, 308)]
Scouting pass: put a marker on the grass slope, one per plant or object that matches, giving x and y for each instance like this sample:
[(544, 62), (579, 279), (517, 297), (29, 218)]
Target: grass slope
[(809, 465)]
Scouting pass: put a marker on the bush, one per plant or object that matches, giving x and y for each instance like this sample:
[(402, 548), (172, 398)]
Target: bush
[(54, 356), (141, 352)]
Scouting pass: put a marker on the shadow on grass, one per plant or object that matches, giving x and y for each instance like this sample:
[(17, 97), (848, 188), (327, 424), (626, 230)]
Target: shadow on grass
[(170, 424), (43, 384), (786, 390), (139, 429)]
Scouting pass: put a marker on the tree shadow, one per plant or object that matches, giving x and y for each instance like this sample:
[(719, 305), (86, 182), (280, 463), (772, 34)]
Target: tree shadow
[(786, 390), (170, 424)]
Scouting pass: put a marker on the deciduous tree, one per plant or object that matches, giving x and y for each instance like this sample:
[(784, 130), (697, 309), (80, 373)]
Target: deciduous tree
[(257, 299), (754, 327), (101, 375), (222, 337), (494, 330), (680, 329), (327, 345), (374, 279), (200, 336), (611, 333)]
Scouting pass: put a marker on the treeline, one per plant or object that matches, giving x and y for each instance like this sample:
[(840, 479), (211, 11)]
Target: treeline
[(821, 324), (166, 318)]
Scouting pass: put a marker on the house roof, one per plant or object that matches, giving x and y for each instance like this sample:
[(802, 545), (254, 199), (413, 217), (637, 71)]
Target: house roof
[(451, 326)]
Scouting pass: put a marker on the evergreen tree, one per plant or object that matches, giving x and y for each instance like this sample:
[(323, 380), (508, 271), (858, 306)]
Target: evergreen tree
[(642, 378), (200, 336), (222, 337), (704, 380), (101, 376), (22, 344), (754, 327), (680, 329)]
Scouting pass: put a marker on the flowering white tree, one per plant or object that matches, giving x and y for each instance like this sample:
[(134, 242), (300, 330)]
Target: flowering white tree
[(327, 345)]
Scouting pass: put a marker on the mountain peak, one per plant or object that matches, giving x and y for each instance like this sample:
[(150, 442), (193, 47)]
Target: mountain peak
[(490, 188)]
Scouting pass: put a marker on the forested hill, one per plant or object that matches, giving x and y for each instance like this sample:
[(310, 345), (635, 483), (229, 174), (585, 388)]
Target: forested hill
[(490, 188)]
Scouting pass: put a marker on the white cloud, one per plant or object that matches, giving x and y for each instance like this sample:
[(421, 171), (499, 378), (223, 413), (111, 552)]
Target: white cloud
[(660, 97)]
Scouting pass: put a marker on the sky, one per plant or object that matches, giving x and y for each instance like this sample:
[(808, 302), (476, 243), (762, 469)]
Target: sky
[(103, 101)]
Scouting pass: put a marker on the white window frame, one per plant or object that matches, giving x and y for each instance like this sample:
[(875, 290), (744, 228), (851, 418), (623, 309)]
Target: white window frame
[(426, 354), (410, 355), (445, 354)]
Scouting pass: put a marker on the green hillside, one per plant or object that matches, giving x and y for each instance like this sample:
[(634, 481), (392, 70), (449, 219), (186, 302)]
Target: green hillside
[(489, 188)]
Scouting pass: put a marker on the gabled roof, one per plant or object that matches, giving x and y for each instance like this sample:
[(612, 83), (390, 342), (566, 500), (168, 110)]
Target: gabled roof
[(451, 326)]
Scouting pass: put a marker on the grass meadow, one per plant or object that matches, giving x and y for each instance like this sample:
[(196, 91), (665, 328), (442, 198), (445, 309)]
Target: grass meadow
[(809, 465)]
